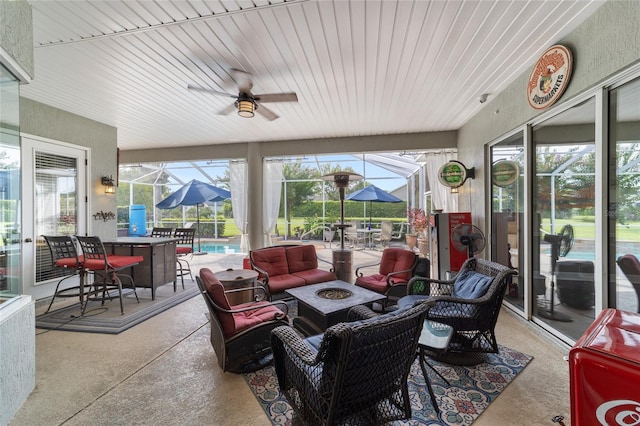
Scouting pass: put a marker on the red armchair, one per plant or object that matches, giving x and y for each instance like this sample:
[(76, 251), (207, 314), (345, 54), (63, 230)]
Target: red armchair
[(240, 334), (397, 266)]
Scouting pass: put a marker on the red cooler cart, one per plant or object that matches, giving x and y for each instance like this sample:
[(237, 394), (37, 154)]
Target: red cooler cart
[(605, 371)]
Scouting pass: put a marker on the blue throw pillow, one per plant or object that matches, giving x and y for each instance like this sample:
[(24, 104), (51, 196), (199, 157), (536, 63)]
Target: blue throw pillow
[(471, 285)]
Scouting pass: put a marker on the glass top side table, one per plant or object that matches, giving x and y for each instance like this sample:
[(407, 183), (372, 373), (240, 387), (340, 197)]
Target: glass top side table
[(435, 337)]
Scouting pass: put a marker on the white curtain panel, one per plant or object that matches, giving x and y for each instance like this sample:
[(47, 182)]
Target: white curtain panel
[(441, 196), (272, 188), (238, 177)]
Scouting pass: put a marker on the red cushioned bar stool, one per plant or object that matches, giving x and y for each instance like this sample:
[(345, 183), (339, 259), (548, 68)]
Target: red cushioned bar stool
[(64, 257), (109, 267), (184, 247)]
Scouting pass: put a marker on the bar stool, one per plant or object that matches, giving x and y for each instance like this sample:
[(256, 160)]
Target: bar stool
[(107, 266), (184, 246), (64, 256), (158, 232)]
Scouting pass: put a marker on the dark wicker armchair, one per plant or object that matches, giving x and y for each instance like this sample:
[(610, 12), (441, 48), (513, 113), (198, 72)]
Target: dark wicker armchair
[(354, 373), (470, 303), (240, 334)]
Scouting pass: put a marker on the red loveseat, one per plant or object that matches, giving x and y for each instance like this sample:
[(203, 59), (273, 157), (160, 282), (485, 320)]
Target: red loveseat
[(285, 267)]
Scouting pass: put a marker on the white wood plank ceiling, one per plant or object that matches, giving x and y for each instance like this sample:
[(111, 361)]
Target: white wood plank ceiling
[(358, 67)]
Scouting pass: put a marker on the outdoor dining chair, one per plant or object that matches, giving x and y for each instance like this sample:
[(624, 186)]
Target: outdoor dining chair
[(384, 237), (158, 232), (184, 247)]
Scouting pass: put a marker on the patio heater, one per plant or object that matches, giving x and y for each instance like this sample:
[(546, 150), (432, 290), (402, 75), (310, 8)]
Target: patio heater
[(342, 257)]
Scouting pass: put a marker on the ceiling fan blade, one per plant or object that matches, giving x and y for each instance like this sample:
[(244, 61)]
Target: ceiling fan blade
[(243, 80), (215, 92), (228, 110), (267, 113), (277, 97)]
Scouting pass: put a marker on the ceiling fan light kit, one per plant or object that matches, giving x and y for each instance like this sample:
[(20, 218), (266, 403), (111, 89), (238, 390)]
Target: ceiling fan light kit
[(246, 107)]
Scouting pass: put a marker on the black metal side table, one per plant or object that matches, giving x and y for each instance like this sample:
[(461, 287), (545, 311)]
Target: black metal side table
[(435, 337)]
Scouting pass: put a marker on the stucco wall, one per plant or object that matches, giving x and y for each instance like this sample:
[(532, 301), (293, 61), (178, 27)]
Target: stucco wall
[(16, 33), (17, 354), (45, 121), (607, 42)]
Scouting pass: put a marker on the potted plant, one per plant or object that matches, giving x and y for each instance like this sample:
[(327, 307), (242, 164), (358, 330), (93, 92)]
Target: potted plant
[(419, 223)]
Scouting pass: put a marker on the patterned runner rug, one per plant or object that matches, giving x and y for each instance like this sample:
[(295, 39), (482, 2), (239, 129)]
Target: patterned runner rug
[(471, 391)]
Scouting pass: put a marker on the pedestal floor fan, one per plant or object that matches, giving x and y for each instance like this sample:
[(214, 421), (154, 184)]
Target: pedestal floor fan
[(560, 246), (469, 238)]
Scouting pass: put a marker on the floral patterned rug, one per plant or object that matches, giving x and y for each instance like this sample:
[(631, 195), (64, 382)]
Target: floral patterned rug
[(471, 390)]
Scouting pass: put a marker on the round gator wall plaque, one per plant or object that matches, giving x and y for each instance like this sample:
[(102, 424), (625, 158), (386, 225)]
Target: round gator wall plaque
[(549, 77)]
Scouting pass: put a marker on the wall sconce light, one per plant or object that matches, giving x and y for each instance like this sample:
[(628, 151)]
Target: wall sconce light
[(109, 185)]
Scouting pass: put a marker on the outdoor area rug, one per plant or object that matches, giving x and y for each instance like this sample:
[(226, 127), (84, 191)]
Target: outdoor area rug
[(108, 319), (471, 391)]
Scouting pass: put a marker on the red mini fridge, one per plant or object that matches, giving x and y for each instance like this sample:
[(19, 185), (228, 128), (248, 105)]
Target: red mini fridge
[(605, 371)]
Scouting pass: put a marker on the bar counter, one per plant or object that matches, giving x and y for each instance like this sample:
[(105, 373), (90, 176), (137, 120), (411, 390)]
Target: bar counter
[(159, 265)]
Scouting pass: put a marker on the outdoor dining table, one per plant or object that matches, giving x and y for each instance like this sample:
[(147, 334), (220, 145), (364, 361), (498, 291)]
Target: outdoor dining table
[(368, 236)]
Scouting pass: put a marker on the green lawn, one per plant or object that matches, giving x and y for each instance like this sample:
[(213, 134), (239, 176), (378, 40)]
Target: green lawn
[(586, 229), (582, 228)]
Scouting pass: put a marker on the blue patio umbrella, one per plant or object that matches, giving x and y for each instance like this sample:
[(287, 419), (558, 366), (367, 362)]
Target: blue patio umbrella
[(372, 193), (194, 193)]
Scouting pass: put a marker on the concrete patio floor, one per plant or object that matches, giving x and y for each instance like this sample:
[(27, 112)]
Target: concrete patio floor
[(164, 372)]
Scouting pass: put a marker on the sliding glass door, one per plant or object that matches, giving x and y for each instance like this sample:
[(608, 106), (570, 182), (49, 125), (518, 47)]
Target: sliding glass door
[(624, 197), (564, 220)]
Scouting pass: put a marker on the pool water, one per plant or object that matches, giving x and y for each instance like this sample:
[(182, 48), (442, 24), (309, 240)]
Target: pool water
[(222, 248)]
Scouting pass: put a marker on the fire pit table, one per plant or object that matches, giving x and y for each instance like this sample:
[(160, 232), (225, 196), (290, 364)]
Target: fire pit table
[(322, 305)]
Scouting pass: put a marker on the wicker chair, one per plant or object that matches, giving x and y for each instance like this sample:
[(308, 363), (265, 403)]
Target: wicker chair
[(240, 334), (470, 303), (354, 373)]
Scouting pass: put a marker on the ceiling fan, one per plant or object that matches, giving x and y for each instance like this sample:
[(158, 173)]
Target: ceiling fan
[(246, 102)]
